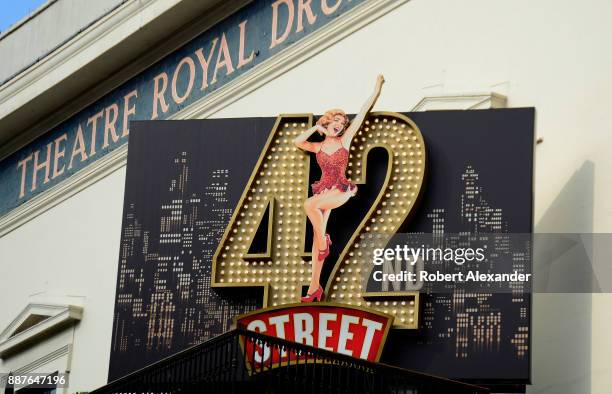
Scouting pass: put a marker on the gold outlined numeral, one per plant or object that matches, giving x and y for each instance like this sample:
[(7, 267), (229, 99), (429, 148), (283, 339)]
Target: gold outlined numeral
[(279, 186), (401, 190), (280, 181)]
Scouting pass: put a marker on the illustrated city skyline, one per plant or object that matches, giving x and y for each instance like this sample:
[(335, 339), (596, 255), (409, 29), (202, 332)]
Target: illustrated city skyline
[(165, 273), (475, 320)]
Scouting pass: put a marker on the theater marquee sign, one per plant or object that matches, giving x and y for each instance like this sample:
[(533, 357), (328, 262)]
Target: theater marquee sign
[(281, 226), (351, 331)]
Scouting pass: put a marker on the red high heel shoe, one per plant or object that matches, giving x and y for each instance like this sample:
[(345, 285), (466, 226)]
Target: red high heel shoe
[(317, 295), (324, 253)]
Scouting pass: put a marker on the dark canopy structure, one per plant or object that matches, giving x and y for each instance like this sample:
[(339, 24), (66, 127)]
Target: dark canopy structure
[(220, 365)]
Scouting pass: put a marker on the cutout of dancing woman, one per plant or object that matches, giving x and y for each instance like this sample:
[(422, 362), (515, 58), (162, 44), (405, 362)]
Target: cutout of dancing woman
[(333, 189)]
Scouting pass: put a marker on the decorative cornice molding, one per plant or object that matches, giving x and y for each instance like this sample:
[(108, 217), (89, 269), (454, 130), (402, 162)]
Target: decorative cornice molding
[(45, 69), (461, 101), (65, 350), (15, 26), (289, 58), (58, 316), (179, 38), (229, 93), (30, 309)]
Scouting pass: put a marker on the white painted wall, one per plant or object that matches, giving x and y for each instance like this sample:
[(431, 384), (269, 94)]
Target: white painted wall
[(71, 250), (551, 54)]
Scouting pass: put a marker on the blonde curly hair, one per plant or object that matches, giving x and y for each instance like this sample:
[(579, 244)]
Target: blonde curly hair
[(329, 116)]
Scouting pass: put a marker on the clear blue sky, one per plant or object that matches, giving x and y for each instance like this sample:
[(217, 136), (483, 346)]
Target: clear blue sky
[(12, 11)]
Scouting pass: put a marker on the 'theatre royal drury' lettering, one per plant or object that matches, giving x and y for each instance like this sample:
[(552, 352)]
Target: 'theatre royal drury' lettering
[(50, 162), (200, 67), (58, 155), (342, 329)]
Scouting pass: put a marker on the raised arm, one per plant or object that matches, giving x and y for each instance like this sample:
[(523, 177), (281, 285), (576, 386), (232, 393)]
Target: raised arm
[(347, 137), (301, 140)]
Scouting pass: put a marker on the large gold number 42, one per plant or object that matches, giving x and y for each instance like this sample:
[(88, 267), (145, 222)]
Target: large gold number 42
[(278, 188)]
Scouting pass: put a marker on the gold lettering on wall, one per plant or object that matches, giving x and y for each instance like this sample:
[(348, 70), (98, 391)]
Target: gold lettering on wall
[(327, 9), (78, 148), (110, 120), (23, 164), (242, 61), (45, 165), (224, 53), (180, 98), (158, 94), (128, 110), (276, 40), (205, 62), (93, 121), (304, 7), (59, 153)]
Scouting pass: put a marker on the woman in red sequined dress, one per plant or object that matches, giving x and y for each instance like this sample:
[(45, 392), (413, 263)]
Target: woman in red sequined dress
[(333, 189)]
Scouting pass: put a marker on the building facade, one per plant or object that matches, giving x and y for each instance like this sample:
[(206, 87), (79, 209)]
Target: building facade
[(75, 68)]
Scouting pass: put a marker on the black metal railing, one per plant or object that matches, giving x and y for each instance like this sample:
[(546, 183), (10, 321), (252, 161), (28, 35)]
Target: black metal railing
[(220, 365)]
